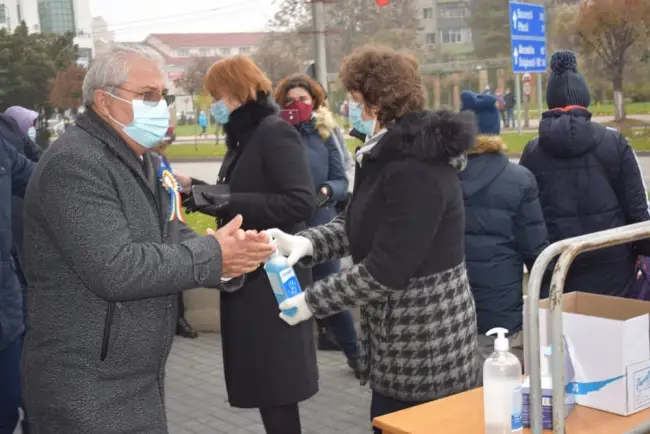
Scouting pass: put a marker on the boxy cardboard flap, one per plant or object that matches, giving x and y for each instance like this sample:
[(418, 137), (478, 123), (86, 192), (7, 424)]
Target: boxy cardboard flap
[(601, 306)]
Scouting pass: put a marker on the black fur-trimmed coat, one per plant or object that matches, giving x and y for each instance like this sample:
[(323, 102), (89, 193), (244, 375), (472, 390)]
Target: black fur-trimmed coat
[(404, 228)]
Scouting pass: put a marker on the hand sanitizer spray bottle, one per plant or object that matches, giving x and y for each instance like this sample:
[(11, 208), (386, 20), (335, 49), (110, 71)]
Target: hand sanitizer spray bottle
[(502, 399), (283, 279)]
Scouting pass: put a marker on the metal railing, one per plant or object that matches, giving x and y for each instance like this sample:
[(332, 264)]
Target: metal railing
[(567, 250)]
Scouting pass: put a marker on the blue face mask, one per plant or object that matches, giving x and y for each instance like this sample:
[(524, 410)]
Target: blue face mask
[(366, 127), (220, 112), (31, 133), (354, 112), (150, 122)]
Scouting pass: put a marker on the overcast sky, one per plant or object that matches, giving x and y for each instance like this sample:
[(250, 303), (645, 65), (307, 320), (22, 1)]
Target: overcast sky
[(133, 20)]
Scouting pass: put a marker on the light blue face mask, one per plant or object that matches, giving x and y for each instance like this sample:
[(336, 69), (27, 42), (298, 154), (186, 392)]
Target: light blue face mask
[(31, 133), (220, 112), (150, 121), (364, 126)]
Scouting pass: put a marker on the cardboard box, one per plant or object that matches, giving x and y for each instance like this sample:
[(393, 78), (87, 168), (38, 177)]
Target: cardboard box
[(609, 346)]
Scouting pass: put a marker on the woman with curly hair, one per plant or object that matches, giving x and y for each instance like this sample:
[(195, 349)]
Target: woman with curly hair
[(404, 228), (316, 126)]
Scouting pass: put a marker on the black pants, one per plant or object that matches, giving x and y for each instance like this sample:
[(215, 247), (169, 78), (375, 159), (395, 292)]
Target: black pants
[(381, 405), (181, 306), (281, 420)]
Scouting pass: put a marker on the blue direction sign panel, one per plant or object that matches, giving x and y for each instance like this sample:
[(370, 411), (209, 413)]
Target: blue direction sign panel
[(528, 37)]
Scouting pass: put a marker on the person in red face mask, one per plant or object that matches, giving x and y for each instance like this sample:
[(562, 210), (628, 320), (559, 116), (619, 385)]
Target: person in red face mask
[(302, 101)]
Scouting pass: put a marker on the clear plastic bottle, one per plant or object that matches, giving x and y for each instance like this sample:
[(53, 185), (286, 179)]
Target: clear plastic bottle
[(502, 397), (283, 279)]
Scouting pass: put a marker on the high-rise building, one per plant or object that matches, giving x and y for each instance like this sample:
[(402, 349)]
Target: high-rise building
[(57, 16)]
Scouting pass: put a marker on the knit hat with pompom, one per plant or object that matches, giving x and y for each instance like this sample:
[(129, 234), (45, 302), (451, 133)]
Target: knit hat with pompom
[(566, 86)]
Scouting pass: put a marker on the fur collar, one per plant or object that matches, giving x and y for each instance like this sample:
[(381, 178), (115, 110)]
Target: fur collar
[(429, 135), (324, 122), (488, 145), (244, 119)]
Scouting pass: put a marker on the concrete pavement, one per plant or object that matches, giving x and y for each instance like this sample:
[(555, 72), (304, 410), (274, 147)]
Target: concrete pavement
[(197, 401)]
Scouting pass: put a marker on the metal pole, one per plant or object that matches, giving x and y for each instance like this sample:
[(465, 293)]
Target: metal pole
[(620, 235), (518, 97), (540, 98), (318, 21)]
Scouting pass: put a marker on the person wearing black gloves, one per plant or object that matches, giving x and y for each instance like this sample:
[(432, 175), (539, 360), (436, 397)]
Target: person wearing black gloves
[(265, 177), (316, 126)]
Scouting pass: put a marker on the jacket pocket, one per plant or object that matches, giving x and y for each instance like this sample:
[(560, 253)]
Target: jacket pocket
[(108, 327)]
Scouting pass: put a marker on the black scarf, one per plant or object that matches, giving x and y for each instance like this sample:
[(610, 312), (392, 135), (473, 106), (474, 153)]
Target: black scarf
[(244, 119)]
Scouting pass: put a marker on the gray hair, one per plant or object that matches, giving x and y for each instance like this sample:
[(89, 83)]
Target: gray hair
[(111, 68)]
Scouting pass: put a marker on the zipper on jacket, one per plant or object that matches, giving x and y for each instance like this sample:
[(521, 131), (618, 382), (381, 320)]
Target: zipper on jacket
[(108, 324)]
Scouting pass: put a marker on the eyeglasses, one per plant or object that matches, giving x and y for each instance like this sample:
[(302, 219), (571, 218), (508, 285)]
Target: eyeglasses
[(151, 98)]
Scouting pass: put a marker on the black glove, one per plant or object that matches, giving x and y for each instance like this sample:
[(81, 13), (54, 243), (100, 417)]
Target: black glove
[(212, 200), (322, 198), (357, 135)]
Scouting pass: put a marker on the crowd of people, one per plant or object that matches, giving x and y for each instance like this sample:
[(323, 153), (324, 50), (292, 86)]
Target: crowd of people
[(439, 226)]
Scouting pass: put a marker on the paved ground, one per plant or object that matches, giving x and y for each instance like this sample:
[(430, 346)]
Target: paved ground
[(197, 403)]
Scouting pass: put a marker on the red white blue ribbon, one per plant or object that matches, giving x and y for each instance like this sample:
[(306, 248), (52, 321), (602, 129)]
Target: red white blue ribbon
[(172, 186)]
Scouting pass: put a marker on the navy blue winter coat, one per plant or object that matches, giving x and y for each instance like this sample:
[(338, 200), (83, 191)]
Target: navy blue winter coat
[(589, 180), (15, 171), (325, 163), (504, 229)]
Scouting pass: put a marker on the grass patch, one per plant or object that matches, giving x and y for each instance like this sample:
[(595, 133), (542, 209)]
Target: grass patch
[(199, 222), (639, 139), (628, 123)]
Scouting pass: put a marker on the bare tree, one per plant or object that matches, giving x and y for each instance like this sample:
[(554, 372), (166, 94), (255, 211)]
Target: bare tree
[(610, 30)]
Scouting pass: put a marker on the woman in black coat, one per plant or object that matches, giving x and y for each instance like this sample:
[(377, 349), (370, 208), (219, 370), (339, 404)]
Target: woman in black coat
[(265, 178), (404, 228)]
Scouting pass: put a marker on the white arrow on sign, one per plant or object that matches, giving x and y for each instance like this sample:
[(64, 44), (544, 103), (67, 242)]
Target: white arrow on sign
[(514, 19), (515, 54)]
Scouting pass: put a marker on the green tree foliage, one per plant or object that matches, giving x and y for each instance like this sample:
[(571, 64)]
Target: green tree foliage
[(28, 65)]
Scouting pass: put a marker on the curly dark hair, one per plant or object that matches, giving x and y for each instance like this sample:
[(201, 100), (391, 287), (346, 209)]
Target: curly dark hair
[(389, 81), (299, 80)]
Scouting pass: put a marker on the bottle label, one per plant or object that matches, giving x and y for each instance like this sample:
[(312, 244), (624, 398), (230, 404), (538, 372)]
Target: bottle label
[(515, 415), (290, 283)]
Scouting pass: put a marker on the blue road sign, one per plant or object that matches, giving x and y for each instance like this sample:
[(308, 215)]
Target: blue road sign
[(528, 55), (528, 37)]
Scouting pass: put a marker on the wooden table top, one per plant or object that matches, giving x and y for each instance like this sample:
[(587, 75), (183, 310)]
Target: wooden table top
[(463, 414)]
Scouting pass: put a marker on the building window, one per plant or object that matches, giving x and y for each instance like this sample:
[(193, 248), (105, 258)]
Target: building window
[(453, 10), (3, 14), (224, 51), (456, 36), (183, 52), (244, 50), (204, 52), (430, 38), (427, 13), (56, 16)]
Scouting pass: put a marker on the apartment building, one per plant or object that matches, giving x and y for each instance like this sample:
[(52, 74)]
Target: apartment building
[(444, 26)]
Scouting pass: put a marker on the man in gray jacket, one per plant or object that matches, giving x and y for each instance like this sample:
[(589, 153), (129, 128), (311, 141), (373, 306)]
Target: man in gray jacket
[(107, 252)]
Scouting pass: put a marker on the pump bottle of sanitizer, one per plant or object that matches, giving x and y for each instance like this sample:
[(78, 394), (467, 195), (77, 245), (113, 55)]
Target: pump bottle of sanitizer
[(502, 397), (283, 279)]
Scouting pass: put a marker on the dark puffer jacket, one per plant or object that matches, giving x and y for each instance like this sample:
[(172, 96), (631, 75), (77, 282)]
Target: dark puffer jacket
[(589, 180), (504, 230)]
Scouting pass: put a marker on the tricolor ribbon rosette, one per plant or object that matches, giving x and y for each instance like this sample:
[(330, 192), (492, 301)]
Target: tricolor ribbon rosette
[(172, 186)]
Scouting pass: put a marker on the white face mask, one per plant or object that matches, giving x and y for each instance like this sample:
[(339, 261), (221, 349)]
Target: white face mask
[(31, 133)]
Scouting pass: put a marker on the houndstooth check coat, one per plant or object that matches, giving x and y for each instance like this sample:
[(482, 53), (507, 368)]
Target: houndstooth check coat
[(404, 229)]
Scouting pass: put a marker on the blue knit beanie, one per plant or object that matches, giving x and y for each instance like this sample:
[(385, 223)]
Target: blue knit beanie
[(485, 109), (566, 86)]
